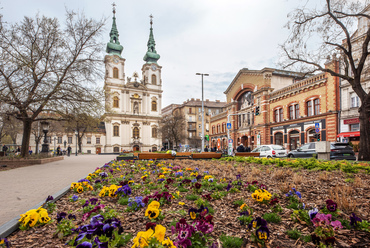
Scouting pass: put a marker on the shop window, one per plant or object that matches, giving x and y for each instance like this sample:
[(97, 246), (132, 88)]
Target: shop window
[(354, 127), (279, 139), (115, 72), (316, 106)]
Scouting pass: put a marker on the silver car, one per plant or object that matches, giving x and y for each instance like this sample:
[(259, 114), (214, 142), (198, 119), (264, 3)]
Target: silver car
[(271, 151)]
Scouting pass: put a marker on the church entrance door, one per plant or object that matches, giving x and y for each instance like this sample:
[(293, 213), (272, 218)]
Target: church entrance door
[(136, 148)]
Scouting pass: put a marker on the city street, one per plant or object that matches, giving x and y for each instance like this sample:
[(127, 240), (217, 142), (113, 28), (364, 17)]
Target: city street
[(23, 188)]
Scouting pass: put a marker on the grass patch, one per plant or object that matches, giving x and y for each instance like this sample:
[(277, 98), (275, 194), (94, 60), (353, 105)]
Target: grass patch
[(272, 217), (231, 242)]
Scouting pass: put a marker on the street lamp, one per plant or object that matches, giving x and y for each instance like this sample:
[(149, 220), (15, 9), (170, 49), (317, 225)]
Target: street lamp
[(45, 129), (54, 144), (202, 74), (76, 133)]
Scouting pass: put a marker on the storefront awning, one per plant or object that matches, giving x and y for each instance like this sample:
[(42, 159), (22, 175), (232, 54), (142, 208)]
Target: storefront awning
[(349, 134)]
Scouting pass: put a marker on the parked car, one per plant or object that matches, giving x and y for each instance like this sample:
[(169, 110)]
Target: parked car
[(271, 151), (338, 151)]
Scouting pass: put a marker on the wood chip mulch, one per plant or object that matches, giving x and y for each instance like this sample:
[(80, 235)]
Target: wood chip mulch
[(350, 191)]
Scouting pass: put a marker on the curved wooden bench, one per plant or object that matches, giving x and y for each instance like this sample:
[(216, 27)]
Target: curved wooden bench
[(153, 156), (247, 154), (206, 155)]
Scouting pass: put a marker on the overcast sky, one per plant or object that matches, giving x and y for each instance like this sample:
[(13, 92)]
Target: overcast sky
[(218, 37)]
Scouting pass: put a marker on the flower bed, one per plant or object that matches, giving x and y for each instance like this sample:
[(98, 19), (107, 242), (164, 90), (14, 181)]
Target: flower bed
[(189, 203)]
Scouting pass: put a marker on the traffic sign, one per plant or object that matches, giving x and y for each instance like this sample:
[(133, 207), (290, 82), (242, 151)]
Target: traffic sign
[(230, 140), (317, 125), (317, 130), (228, 125)]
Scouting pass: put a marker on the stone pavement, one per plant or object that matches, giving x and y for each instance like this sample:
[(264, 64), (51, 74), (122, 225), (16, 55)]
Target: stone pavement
[(23, 188)]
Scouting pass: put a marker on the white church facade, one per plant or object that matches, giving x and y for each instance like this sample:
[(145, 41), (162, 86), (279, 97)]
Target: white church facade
[(133, 104)]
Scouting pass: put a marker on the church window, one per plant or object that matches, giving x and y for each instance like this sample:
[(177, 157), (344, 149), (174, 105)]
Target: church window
[(115, 102), (154, 79), (136, 133), (115, 72), (154, 106), (115, 130), (154, 132)]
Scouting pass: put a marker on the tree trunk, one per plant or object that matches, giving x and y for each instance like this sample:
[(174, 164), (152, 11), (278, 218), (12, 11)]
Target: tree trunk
[(27, 125), (364, 147)]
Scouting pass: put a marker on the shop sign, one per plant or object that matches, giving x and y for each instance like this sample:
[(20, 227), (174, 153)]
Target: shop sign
[(352, 121)]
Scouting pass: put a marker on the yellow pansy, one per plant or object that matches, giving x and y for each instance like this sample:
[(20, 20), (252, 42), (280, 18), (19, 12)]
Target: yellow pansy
[(154, 204)]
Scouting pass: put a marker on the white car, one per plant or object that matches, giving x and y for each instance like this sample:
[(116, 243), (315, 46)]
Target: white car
[(271, 151)]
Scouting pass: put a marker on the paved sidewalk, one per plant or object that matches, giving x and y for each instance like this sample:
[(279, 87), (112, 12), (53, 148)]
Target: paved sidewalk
[(23, 188)]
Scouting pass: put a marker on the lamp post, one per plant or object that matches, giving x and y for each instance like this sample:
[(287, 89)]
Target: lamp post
[(202, 74), (54, 144), (45, 129), (76, 133)]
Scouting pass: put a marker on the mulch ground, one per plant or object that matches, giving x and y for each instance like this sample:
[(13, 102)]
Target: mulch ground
[(350, 191)]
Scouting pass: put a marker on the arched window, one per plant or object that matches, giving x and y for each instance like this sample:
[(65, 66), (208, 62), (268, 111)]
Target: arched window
[(115, 130), (218, 128), (154, 79), (115, 102), (115, 72), (309, 108), (135, 132), (279, 139), (154, 132), (316, 106), (154, 106), (213, 129)]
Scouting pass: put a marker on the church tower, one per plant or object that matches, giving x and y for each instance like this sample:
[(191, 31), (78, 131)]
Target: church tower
[(133, 105)]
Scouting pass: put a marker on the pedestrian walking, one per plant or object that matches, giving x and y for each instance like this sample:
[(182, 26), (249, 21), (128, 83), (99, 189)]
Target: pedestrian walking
[(69, 150), (5, 148), (58, 151)]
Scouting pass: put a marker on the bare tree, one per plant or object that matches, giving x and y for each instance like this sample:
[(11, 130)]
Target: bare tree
[(47, 68), (195, 142), (326, 31), (172, 128), (82, 123)]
